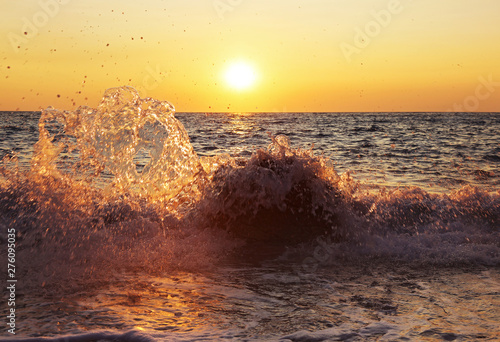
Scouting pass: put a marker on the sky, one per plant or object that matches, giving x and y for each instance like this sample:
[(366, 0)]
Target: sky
[(305, 56)]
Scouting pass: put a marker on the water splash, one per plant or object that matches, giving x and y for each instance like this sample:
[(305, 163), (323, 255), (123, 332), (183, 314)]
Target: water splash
[(278, 194), (119, 187), (106, 192), (136, 143)]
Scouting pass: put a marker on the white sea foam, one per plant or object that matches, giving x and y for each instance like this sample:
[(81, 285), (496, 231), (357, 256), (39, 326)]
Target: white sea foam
[(135, 234)]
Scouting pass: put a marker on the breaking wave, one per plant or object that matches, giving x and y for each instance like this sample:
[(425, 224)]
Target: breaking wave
[(120, 187)]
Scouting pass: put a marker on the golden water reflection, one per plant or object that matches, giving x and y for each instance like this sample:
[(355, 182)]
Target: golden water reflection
[(177, 303), (419, 303)]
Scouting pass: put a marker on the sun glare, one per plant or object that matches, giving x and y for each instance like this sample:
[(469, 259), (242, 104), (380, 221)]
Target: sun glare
[(240, 75)]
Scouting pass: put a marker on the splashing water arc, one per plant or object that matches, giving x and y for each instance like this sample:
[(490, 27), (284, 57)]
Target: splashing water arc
[(134, 146), (131, 158), (110, 139), (120, 226)]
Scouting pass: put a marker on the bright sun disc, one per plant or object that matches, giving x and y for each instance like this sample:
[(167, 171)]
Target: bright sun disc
[(240, 75)]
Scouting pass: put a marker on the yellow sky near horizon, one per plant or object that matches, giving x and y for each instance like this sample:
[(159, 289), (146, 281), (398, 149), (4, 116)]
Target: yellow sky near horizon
[(316, 55)]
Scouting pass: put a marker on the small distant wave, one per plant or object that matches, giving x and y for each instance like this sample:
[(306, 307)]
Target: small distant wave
[(372, 128), (492, 158), (482, 174)]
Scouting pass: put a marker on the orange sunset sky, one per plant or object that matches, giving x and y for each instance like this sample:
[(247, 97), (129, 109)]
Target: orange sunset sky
[(315, 55)]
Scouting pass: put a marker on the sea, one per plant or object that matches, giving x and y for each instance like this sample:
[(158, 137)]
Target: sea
[(133, 222)]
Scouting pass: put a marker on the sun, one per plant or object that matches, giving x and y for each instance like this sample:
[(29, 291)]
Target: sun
[(240, 75)]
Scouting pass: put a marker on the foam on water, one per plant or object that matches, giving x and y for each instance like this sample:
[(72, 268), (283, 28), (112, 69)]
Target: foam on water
[(278, 194), (121, 185), (89, 205), (119, 190)]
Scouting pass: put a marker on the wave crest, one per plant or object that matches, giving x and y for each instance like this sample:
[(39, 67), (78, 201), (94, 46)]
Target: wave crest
[(278, 194)]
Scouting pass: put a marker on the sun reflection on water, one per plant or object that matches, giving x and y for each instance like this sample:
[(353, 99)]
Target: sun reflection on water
[(154, 304)]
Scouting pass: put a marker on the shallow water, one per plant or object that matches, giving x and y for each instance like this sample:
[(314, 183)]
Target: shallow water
[(347, 303), (129, 226)]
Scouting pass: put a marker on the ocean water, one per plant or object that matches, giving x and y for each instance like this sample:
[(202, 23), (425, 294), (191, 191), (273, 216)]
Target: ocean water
[(132, 222)]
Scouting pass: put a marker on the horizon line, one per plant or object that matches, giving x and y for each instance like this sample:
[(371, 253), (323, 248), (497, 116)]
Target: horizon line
[(296, 112)]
